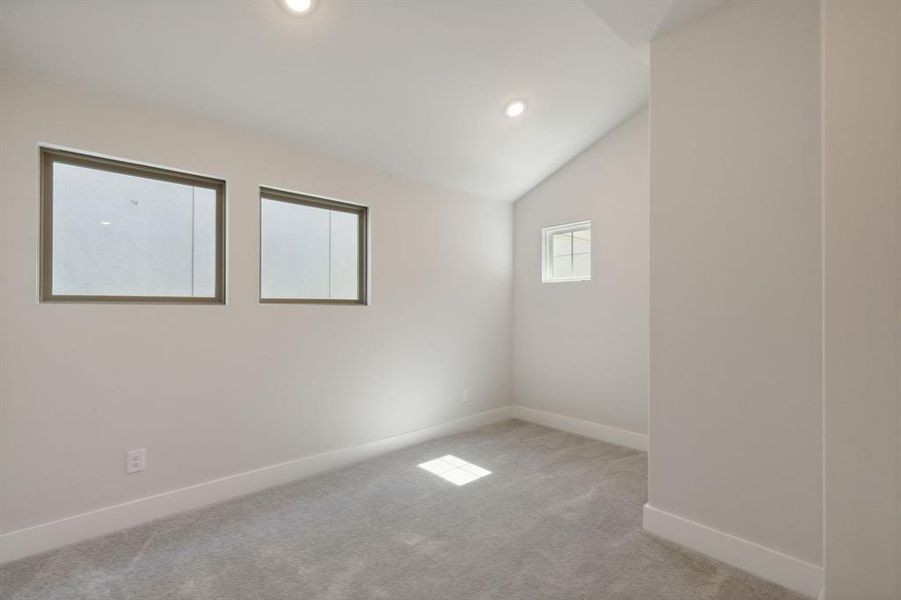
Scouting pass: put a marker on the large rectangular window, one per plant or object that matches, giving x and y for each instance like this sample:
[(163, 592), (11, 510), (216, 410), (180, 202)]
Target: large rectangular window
[(311, 249), (123, 232)]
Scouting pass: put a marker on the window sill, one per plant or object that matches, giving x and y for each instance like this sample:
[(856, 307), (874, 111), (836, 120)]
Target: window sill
[(575, 280)]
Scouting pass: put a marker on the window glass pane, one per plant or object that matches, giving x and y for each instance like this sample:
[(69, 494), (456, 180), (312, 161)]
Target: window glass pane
[(581, 242), (581, 265), (562, 266), (295, 250), (310, 248), (566, 252), (204, 242), (116, 234), (344, 255), (563, 244)]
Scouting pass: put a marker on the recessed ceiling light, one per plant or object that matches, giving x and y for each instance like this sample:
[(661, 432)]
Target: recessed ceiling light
[(106, 222), (515, 108), (297, 7)]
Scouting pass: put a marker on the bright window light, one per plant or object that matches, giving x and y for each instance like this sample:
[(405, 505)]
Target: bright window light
[(566, 252), (124, 232), (453, 469), (312, 250)]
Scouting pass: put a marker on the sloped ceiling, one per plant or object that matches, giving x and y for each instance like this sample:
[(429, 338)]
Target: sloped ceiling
[(638, 22), (414, 88)]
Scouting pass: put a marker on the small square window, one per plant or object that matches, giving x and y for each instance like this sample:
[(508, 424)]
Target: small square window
[(313, 250), (566, 252)]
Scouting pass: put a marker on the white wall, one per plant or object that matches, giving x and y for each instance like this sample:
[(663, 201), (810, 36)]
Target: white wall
[(735, 326), (215, 390), (862, 154), (581, 348)]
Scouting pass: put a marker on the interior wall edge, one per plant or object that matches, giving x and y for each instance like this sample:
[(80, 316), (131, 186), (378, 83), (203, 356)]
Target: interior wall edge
[(597, 431), (788, 571), (69, 530)]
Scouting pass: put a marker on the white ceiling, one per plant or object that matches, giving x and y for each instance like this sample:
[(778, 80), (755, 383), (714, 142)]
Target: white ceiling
[(415, 88), (640, 21)]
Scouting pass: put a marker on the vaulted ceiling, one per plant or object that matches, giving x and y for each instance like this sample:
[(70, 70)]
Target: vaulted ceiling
[(414, 88)]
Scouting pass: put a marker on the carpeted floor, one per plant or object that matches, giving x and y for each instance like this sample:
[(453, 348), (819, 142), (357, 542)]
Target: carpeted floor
[(558, 518)]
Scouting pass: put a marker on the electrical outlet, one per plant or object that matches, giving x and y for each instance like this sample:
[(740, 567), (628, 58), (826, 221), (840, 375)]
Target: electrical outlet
[(466, 396), (135, 460)]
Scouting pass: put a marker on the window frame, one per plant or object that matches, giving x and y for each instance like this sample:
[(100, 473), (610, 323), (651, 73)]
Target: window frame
[(547, 258), (362, 211), (50, 156)]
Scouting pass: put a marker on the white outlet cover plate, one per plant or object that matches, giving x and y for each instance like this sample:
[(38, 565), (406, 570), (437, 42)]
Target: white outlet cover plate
[(136, 460)]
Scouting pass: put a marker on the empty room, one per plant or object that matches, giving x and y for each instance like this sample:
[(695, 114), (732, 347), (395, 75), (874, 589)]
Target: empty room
[(450, 300)]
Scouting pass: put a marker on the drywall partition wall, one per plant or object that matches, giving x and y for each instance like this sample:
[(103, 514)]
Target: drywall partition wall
[(211, 391), (735, 312), (581, 348), (862, 163)]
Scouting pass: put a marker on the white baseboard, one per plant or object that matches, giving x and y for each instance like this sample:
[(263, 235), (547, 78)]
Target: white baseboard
[(621, 437), (47, 536), (790, 572)]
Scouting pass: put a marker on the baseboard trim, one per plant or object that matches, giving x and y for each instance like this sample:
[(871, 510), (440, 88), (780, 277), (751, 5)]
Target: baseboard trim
[(62, 532), (788, 571), (621, 437)]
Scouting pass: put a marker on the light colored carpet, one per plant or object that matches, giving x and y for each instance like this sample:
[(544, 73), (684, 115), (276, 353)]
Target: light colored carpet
[(558, 518)]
